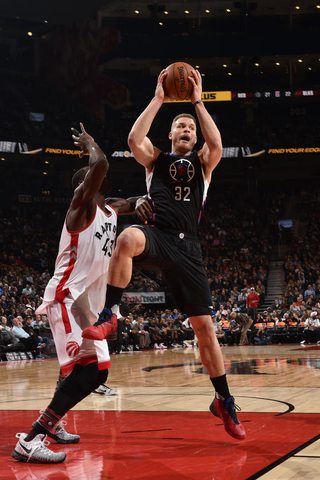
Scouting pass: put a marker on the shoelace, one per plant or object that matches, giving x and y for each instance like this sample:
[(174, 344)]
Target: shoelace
[(42, 444), (60, 425), (231, 408)]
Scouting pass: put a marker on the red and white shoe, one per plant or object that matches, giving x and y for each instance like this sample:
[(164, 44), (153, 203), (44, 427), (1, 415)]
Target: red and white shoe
[(102, 330), (226, 410)]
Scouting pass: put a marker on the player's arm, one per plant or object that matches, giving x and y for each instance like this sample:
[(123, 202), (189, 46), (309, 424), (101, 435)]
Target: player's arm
[(141, 146), (138, 205), (210, 154), (98, 167)]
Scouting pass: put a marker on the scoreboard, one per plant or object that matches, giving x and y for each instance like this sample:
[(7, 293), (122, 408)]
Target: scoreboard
[(260, 95)]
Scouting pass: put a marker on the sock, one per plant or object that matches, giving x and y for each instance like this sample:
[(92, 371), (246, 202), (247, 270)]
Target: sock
[(221, 386), (114, 295), (47, 420)]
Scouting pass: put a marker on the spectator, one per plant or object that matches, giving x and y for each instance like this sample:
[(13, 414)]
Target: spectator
[(32, 333), (30, 342), (252, 303), (262, 337), (312, 329), (143, 335)]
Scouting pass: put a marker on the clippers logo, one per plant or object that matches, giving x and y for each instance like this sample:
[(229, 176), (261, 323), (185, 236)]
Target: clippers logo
[(182, 170)]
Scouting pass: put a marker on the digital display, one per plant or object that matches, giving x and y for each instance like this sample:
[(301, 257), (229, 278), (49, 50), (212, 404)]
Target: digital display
[(275, 94)]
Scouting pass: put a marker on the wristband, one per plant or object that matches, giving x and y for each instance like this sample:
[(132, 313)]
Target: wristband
[(196, 103)]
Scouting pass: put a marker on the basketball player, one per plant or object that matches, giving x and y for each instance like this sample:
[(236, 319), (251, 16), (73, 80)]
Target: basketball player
[(177, 184), (73, 298)]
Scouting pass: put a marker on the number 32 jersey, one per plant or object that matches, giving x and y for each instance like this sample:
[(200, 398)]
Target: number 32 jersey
[(82, 263), (177, 190)]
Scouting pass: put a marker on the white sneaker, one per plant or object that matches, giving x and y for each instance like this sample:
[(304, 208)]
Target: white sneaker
[(35, 451), (303, 341), (59, 434), (104, 390), (162, 346), (318, 342), (156, 346)]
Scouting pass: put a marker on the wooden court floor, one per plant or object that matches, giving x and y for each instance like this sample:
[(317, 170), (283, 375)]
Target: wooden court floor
[(158, 426)]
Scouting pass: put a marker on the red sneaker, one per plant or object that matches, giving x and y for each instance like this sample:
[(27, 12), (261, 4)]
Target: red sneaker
[(226, 410), (102, 330)]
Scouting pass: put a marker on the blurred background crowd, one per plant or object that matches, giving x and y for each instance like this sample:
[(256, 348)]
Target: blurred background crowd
[(260, 229)]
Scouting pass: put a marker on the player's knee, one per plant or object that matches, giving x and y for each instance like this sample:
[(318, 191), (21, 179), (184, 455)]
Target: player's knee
[(130, 243), (84, 379)]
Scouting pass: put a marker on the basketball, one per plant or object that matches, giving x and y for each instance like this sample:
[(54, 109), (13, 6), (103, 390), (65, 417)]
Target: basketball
[(176, 84)]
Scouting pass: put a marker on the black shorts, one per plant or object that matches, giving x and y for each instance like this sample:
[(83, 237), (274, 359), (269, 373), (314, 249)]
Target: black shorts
[(179, 257)]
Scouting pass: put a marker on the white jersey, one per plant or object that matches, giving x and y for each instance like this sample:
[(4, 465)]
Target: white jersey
[(82, 264)]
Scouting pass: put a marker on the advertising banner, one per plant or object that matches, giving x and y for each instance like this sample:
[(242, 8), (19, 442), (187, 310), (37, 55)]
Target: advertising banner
[(144, 297)]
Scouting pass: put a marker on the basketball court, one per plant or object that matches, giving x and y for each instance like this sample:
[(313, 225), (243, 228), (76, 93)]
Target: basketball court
[(159, 425)]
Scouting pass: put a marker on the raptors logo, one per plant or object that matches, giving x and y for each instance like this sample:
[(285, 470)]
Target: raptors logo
[(73, 349), (182, 170)]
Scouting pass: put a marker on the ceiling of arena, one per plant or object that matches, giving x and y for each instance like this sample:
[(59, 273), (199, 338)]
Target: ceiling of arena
[(49, 14), (64, 12)]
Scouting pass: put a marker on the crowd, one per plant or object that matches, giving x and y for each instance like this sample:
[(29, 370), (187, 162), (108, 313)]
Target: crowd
[(237, 240)]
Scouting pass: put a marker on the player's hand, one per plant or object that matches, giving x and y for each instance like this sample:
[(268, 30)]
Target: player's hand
[(143, 209), (81, 140), (159, 93), (196, 81)]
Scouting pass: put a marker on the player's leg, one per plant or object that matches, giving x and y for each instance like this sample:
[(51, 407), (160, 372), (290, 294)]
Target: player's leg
[(130, 243), (190, 287), (223, 405), (78, 385)]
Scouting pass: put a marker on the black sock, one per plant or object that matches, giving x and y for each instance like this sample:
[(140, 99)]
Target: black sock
[(114, 295), (221, 386)]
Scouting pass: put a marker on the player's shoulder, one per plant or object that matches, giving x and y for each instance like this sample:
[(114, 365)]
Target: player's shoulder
[(113, 204)]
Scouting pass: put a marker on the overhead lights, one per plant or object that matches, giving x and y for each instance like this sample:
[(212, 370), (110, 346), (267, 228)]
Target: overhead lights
[(160, 23), (197, 66), (278, 63), (30, 34), (300, 61), (297, 7), (224, 65), (45, 173), (166, 12), (203, 74), (3, 159), (228, 10), (257, 64), (317, 6), (45, 21), (207, 11), (46, 162), (229, 73), (186, 11), (309, 68), (137, 12)]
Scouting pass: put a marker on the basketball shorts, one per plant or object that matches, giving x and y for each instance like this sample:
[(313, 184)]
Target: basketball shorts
[(179, 257), (67, 321)]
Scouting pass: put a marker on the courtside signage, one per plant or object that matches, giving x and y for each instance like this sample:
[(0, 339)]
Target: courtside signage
[(281, 151), (223, 96)]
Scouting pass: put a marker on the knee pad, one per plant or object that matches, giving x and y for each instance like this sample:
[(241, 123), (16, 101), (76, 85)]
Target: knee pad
[(78, 385), (83, 379)]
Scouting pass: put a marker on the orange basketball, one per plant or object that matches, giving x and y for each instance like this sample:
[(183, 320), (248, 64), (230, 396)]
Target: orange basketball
[(176, 84)]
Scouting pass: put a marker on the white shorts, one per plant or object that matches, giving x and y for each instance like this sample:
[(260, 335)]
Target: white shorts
[(67, 321)]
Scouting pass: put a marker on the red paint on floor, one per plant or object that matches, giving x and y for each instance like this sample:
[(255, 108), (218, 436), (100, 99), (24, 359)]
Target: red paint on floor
[(158, 445)]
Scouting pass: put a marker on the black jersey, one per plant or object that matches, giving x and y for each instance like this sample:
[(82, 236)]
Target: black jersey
[(177, 189)]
